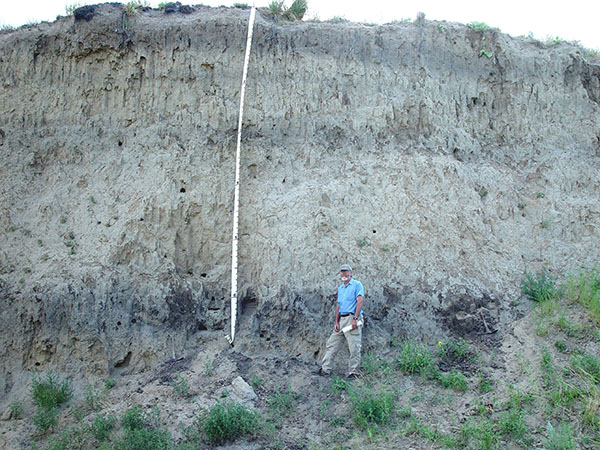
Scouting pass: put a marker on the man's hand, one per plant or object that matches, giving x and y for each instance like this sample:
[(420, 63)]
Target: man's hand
[(336, 327), (354, 324)]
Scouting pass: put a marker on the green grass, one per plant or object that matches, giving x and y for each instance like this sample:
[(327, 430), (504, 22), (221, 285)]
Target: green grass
[(70, 8), (282, 403), (587, 365), (512, 423), (16, 409), (560, 438), (73, 439), (50, 392), (276, 7), (297, 9), (584, 288), (479, 435), (102, 426), (181, 386), (227, 421), (45, 419), (93, 397), (454, 380), (110, 382), (339, 384), (540, 287), (372, 407), (414, 358), (256, 381), (142, 432), (479, 26)]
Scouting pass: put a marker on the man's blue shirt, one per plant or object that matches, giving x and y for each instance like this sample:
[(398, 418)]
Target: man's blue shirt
[(347, 295)]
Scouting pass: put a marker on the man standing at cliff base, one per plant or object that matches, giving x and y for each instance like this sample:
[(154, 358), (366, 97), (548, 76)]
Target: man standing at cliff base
[(348, 317)]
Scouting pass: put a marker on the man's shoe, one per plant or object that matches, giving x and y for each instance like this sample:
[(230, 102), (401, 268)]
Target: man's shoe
[(321, 372), (352, 376)]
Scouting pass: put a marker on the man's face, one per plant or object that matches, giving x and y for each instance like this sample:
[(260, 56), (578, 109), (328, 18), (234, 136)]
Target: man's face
[(345, 275)]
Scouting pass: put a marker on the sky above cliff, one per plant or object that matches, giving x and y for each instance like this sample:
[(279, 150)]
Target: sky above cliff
[(575, 20)]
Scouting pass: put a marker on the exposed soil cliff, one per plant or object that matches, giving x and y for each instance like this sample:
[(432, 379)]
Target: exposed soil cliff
[(441, 162)]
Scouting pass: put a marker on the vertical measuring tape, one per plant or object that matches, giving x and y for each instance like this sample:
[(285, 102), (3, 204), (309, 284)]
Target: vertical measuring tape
[(236, 196)]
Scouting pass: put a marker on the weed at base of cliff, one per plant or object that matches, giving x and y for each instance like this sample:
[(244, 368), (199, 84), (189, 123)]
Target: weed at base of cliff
[(51, 392), (227, 421)]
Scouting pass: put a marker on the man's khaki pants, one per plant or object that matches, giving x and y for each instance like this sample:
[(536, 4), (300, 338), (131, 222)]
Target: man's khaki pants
[(335, 342)]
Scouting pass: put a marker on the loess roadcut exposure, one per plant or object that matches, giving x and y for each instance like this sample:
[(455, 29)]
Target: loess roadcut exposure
[(440, 161)]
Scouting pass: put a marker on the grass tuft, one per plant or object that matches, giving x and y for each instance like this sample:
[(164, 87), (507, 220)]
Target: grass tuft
[(227, 421), (50, 392), (414, 358), (539, 288), (372, 407)]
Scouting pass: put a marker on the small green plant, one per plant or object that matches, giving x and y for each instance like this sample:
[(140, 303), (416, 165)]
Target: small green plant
[(241, 5), (93, 397), (485, 384), (70, 9), (256, 381), (483, 192), (372, 407), (209, 367), (521, 205), (63, 219), (131, 8), (591, 55), (40, 243), (539, 195), (361, 242), (454, 380), (553, 40), (481, 435), (276, 7), (414, 358), (102, 426), (561, 346), (372, 363), (584, 288), (162, 5), (560, 438), (481, 27), (339, 384), (110, 382), (282, 403), (587, 365), (45, 419), (545, 223), (487, 53), (16, 409), (297, 9), (539, 288), (512, 423), (27, 270), (50, 392), (74, 439), (133, 418), (227, 421), (21, 281), (181, 386)]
